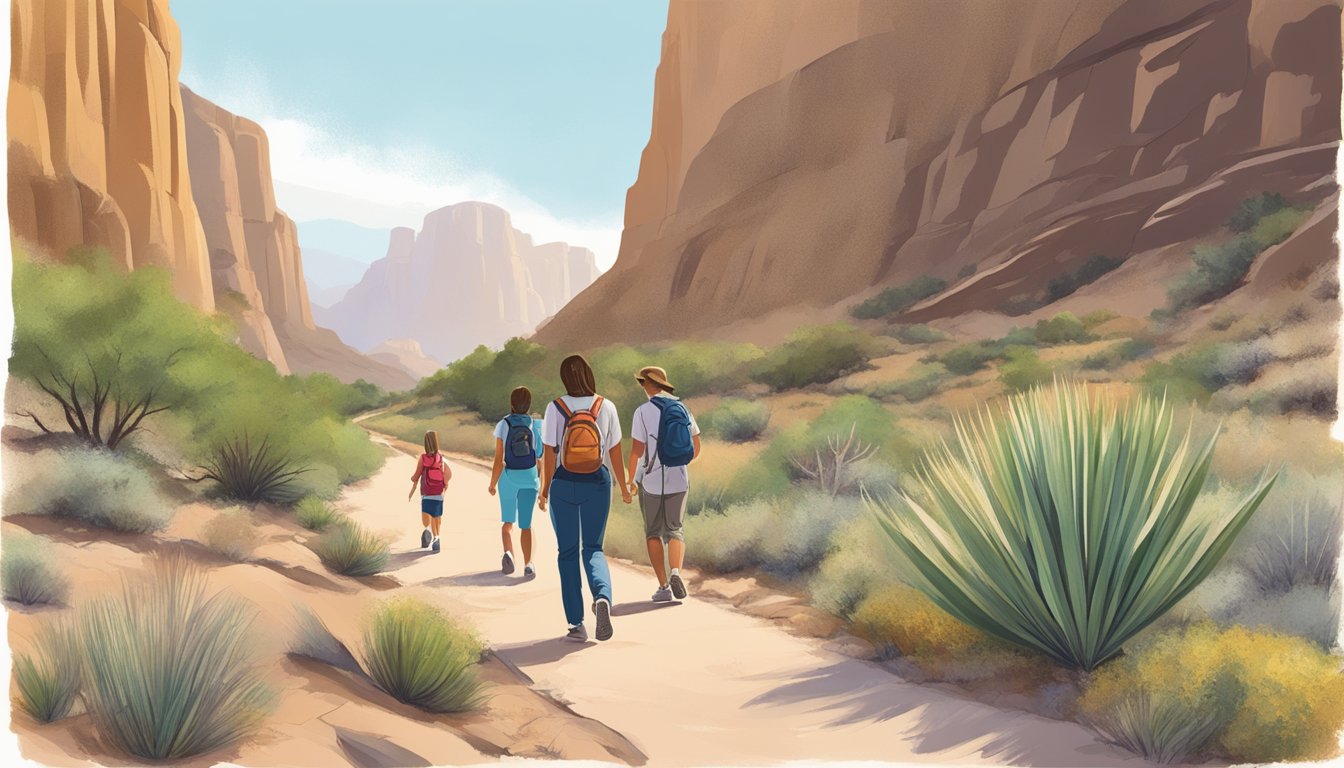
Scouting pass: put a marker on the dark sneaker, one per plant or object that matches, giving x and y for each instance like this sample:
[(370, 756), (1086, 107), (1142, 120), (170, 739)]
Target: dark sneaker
[(435, 545), (506, 564), (425, 539), (577, 633), (529, 572), (678, 586), (663, 595), (602, 610)]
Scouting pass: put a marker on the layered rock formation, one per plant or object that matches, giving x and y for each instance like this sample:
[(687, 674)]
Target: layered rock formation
[(803, 151), (97, 144), (467, 278)]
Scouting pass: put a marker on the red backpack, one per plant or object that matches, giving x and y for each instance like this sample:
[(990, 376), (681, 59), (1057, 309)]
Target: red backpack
[(431, 477)]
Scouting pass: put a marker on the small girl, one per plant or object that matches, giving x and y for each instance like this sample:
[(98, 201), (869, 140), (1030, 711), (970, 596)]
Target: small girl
[(432, 474)]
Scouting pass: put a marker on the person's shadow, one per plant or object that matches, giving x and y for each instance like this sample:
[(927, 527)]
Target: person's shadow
[(536, 652), (400, 560), (643, 606), (482, 579)]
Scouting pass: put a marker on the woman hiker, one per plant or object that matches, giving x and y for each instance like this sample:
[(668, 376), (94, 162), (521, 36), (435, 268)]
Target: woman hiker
[(431, 475), (583, 434), (514, 476), (665, 440)]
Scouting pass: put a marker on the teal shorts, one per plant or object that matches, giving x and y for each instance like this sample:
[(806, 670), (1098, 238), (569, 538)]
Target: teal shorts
[(518, 490)]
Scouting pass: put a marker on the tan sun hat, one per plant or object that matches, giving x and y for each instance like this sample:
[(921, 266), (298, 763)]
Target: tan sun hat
[(656, 375)]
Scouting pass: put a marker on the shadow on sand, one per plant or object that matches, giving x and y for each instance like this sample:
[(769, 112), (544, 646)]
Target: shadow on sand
[(643, 606), (536, 652), (400, 560), (482, 579)]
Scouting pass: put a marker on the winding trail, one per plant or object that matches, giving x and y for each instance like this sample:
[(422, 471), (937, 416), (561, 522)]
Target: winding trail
[(694, 683)]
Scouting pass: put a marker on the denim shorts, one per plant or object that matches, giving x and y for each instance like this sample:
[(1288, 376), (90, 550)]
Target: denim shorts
[(432, 507)]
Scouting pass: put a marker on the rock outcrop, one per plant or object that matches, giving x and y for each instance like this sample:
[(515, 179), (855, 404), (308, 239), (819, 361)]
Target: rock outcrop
[(97, 143), (467, 278), (803, 152)]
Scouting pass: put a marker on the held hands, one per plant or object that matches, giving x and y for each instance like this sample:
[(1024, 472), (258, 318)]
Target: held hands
[(625, 494)]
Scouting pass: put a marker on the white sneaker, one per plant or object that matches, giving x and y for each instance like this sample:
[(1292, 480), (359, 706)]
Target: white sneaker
[(663, 595), (678, 586), (602, 610), (506, 564), (529, 572)]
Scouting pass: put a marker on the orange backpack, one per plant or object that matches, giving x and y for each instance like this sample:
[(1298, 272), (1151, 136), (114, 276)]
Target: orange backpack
[(581, 444)]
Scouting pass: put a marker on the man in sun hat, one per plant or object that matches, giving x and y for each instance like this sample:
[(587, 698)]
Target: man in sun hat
[(666, 440)]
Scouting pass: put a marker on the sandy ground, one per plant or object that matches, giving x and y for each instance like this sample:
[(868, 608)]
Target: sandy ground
[(695, 683)]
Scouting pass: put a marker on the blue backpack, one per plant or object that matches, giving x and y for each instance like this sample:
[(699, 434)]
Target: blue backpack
[(675, 446), (519, 449)]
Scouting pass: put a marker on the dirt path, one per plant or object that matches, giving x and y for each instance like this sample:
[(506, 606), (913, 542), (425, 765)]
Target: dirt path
[(694, 683)]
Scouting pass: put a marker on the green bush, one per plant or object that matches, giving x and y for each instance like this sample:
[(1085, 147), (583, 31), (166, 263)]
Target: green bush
[(48, 681), (786, 537), (1032, 555), (853, 569), (1219, 269), (1119, 354), (417, 654), (1200, 370), (815, 356), (1023, 369), (899, 298), (969, 358), (348, 549), (171, 673), (315, 514), (916, 334), (1253, 209), (1271, 697), (94, 487), (1063, 328), (328, 393), (1087, 272), (30, 575), (1098, 317), (1277, 227), (924, 381), (232, 534), (736, 420)]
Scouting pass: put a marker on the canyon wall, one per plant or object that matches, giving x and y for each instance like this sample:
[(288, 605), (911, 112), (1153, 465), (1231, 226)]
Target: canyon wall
[(803, 152), (466, 278)]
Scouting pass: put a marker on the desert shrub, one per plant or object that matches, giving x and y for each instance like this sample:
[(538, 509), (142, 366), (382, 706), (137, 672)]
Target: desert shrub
[(1277, 227), (1200, 370), (1087, 272), (736, 420), (1307, 611), (332, 396), (1162, 729), (47, 681), (1028, 555), (1240, 363), (254, 470), (349, 549), (916, 334), (1119, 354), (231, 534), (1253, 209), (1218, 270), (1017, 337), (898, 298), (421, 657), (475, 382), (786, 537), (1063, 328), (969, 358), (851, 570), (826, 452), (900, 621), (1023, 369), (170, 672), (1272, 697), (94, 487), (1098, 317), (315, 514), (29, 572), (1296, 543), (1313, 393), (313, 640), (815, 356), (925, 380)]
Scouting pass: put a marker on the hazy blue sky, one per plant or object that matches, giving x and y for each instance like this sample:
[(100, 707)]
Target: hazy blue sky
[(379, 112)]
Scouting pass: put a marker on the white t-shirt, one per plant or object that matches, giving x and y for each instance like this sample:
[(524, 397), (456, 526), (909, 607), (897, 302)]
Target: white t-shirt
[(657, 479), (608, 424)]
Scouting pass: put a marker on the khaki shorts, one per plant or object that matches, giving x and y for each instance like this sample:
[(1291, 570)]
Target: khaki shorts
[(663, 514)]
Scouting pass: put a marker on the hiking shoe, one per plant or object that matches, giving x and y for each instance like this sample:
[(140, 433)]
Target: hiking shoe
[(529, 572), (663, 595), (506, 564), (425, 538), (678, 586), (577, 633), (435, 545), (602, 609)]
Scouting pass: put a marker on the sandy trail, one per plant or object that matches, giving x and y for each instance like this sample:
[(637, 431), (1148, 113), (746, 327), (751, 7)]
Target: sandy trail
[(694, 683)]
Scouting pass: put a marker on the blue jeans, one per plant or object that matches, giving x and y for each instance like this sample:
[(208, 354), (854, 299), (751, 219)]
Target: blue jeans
[(579, 512)]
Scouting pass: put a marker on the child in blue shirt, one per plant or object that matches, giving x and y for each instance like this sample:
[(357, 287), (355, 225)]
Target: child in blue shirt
[(514, 477)]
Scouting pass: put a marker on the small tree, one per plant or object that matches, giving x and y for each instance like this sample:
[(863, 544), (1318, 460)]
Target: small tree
[(102, 344)]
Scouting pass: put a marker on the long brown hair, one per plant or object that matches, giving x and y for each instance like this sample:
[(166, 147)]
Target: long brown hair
[(520, 400), (577, 376), (431, 443)]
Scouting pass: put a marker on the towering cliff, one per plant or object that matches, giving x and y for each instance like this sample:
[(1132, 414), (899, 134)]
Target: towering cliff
[(803, 151), (467, 278), (97, 145)]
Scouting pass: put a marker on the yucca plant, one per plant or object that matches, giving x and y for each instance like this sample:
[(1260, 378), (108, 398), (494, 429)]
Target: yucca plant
[(170, 672), (349, 549), (1063, 521), (251, 470), (417, 654), (47, 681)]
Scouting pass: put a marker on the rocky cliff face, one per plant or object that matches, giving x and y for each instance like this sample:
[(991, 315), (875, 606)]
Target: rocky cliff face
[(466, 278), (802, 152), (97, 144)]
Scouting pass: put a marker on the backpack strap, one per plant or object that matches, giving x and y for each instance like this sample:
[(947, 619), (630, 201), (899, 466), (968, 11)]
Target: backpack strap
[(596, 407), (564, 409)]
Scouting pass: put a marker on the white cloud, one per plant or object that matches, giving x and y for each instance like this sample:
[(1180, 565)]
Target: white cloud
[(321, 174)]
